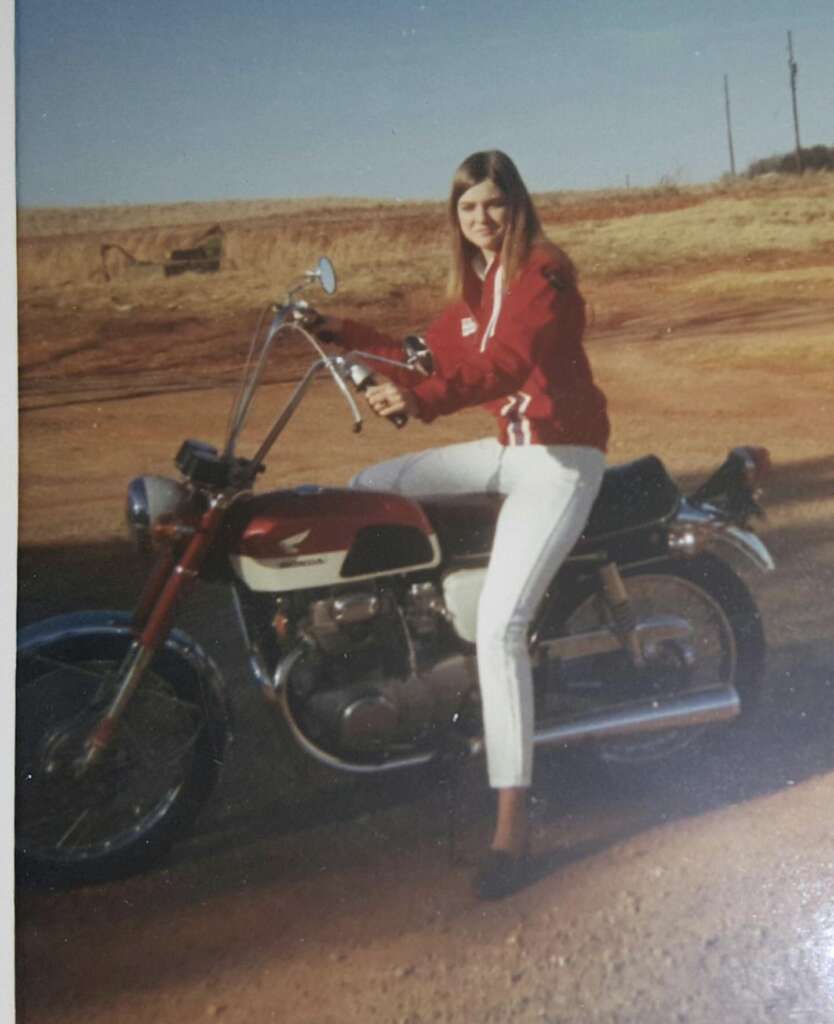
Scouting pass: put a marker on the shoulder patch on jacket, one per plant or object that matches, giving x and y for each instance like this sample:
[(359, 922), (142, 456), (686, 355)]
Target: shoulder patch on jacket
[(557, 278)]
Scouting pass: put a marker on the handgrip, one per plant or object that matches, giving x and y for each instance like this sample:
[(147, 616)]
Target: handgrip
[(362, 380)]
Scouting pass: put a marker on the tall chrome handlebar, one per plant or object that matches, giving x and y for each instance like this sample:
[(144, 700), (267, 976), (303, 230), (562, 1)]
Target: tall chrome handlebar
[(339, 367), (324, 362)]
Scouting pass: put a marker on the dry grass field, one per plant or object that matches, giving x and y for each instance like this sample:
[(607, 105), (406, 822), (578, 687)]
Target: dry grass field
[(730, 279), (765, 243)]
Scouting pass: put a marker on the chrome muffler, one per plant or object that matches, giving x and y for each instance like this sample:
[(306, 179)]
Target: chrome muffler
[(703, 708)]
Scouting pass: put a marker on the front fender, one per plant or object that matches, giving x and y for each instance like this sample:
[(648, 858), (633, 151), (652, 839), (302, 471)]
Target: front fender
[(180, 656)]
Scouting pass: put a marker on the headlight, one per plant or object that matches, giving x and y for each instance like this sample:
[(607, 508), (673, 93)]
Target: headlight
[(152, 498)]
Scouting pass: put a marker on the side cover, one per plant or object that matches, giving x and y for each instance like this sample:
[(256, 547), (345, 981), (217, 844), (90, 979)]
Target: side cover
[(318, 537)]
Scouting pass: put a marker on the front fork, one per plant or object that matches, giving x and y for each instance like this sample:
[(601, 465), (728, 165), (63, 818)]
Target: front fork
[(167, 584)]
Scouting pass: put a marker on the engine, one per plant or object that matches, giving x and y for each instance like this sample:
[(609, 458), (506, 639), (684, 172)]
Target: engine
[(378, 671)]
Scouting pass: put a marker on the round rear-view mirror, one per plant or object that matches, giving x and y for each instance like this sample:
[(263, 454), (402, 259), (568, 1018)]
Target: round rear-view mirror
[(326, 275)]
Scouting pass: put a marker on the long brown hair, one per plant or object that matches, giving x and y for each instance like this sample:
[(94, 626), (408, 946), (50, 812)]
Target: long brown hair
[(523, 225)]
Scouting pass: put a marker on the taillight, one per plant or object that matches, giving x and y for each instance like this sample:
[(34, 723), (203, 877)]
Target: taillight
[(734, 487), (755, 464)]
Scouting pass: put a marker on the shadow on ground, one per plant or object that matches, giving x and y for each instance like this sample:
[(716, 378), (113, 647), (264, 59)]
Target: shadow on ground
[(288, 852), (269, 790)]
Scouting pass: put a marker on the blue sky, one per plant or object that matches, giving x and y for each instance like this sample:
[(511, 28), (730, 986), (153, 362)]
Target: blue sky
[(152, 101)]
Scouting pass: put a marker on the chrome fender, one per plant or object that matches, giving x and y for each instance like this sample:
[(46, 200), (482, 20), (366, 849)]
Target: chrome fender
[(180, 656), (694, 529)]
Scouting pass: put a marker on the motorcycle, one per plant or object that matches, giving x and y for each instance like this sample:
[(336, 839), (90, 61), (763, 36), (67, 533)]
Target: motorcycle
[(357, 612)]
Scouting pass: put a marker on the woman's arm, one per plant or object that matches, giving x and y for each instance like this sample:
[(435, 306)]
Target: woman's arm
[(351, 334), (542, 310)]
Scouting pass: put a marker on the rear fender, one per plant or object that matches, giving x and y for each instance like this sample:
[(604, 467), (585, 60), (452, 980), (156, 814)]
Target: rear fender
[(695, 529), (112, 632)]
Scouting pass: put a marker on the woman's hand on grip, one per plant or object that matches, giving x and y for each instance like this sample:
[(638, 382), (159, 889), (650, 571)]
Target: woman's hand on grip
[(386, 399)]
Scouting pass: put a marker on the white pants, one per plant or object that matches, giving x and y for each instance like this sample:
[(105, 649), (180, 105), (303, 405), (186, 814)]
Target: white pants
[(549, 493)]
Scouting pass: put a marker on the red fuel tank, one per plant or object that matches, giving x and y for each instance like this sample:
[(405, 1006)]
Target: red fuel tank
[(316, 537)]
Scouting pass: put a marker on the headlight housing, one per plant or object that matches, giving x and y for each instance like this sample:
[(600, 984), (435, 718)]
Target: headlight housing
[(153, 501)]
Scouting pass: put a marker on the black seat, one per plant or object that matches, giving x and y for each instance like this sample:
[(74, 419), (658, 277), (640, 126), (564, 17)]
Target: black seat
[(631, 496)]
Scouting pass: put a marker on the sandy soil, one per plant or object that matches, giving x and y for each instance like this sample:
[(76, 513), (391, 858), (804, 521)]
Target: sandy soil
[(699, 893)]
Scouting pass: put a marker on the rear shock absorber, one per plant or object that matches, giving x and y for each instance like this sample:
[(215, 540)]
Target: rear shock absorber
[(623, 619)]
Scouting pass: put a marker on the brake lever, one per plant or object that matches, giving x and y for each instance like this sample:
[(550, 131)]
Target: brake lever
[(354, 409), (358, 356)]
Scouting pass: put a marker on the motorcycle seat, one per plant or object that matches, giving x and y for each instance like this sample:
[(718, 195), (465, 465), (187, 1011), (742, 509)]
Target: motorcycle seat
[(631, 496)]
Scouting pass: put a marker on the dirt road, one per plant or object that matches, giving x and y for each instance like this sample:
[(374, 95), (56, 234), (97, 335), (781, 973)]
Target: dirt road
[(698, 893)]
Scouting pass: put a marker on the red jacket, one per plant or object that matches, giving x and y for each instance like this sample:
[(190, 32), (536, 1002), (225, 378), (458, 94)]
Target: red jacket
[(519, 353)]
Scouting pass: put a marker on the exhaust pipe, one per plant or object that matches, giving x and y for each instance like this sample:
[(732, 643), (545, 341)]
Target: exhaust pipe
[(702, 708)]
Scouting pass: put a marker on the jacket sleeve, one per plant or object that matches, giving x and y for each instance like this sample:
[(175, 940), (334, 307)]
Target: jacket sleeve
[(355, 335), (534, 312)]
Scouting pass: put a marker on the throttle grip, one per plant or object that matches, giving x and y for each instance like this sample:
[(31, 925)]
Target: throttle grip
[(362, 380)]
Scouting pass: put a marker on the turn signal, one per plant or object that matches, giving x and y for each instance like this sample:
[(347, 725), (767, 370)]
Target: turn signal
[(169, 531)]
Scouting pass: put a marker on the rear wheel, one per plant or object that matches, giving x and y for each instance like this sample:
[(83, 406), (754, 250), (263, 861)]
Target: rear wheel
[(125, 810), (726, 648)]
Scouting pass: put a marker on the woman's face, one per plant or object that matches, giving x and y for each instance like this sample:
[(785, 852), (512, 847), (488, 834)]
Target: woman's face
[(483, 216)]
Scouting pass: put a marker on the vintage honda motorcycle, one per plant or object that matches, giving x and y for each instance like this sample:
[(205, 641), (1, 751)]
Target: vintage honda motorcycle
[(358, 615)]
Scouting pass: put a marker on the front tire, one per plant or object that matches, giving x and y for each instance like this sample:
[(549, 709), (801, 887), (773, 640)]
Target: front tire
[(727, 649), (124, 812)]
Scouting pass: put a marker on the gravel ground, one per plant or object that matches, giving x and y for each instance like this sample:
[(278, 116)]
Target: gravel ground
[(698, 892)]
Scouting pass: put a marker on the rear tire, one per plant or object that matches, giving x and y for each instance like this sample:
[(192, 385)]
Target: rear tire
[(126, 810), (728, 648)]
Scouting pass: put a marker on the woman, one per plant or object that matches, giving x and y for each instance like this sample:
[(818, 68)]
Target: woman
[(510, 338)]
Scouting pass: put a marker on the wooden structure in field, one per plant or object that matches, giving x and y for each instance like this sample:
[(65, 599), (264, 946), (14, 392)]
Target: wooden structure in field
[(203, 257)]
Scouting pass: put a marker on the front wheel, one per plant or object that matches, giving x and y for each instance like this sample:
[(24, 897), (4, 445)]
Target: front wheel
[(726, 648), (123, 812)]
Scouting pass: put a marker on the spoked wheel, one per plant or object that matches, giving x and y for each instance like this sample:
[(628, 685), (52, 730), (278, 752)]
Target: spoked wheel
[(122, 812), (724, 647)]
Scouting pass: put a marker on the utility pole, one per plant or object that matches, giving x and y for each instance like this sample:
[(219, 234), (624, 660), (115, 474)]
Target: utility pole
[(729, 126), (794, 68)]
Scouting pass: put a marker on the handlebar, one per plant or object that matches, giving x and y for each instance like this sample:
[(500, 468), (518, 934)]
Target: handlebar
[(297, 315), (341, 368)]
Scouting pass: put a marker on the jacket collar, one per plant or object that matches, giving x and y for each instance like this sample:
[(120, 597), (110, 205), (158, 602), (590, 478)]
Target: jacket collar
[(478, 278)]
